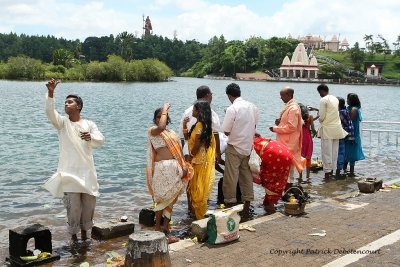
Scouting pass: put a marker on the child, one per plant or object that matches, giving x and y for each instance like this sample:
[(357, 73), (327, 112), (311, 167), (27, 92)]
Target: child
[(347, 125), (307, 144)]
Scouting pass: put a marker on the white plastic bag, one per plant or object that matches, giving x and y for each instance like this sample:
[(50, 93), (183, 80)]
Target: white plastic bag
[(223, 226), (254, 162)]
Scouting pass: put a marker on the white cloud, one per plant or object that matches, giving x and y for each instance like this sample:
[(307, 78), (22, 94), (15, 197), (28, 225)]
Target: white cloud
[(201, 20), (350, 19)]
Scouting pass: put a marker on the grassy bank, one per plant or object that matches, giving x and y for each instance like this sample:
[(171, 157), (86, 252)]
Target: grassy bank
[(391, 67)]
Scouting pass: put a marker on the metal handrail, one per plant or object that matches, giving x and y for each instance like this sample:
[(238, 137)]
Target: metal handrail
[(383, 122), (379, 131)]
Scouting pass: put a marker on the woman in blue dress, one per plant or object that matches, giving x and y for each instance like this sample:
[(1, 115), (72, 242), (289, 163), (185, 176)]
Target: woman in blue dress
[(353, 149)]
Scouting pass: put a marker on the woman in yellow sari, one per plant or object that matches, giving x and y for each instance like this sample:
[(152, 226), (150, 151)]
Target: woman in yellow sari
[(202, 156)]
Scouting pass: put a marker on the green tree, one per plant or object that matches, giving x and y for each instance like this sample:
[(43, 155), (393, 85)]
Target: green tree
[(124, 41), (11, 46), (368, 38), (98, 48), (233, 58), (134, 71), (155, 70), (63, 57), (357, 56), (331, 71), (96, 71), (213, 53), (3, 70), (77, 49), (277, 49), (256, 53), (115, 68)]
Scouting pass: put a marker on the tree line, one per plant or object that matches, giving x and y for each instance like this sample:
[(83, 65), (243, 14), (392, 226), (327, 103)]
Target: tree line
[(88, 60), (190, 58)]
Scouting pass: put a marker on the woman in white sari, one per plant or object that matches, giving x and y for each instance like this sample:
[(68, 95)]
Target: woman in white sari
[(167, 173)]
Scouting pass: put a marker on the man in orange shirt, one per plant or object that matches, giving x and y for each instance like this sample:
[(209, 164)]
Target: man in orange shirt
[(289, 130)]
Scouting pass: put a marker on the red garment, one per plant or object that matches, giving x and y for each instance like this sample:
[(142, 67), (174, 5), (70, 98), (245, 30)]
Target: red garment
[(307, 144), (275, 167)]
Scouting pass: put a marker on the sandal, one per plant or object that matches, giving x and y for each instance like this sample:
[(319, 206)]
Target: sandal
[(246, 227)]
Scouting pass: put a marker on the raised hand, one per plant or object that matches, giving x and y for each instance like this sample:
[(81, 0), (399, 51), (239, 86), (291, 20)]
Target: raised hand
[(51, 86), (166, 107), (185, 121)]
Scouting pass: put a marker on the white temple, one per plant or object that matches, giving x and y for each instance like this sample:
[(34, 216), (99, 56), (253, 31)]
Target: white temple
[(333, 44), (316, 43), (300, 66), (344, 45)]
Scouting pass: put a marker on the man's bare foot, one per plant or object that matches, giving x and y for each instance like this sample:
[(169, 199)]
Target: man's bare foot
[(84, 235), (269, 208), (328, 175), (74, 238)]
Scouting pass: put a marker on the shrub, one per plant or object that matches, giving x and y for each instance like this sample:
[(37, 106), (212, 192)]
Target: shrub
[(23, 67)]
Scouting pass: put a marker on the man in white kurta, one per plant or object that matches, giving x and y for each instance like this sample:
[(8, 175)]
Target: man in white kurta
[(76, 179), (330, 130)]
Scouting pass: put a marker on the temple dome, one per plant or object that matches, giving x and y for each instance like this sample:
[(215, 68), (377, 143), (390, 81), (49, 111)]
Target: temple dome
[(334, 39), (286, 61), (313, 61), (300, 55)]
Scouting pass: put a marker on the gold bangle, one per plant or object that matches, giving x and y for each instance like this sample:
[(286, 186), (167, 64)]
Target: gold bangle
[(164, 113)]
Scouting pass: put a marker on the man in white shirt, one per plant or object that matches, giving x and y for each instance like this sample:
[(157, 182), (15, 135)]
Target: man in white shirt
[(239, 125), (76, 177), (330, 130), (202, 93)]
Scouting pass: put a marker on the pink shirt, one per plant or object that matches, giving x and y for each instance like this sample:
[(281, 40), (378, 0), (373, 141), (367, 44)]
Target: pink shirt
[(289, 131), (240, 122)]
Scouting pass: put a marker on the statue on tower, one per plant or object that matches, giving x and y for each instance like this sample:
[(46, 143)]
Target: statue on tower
[(148, 29)]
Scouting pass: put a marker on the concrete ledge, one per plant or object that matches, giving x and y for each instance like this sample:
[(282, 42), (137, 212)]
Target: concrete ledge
[(108, 230)]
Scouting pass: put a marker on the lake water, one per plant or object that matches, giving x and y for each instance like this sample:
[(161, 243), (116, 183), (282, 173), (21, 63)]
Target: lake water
[(123, 112)]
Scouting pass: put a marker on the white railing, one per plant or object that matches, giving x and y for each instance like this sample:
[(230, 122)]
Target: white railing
[(388, 129)]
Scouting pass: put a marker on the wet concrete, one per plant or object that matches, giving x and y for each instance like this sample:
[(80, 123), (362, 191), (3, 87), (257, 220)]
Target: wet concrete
[(95, 251)]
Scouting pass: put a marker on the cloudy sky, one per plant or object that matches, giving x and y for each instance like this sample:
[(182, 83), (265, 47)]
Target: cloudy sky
[(203, 19)]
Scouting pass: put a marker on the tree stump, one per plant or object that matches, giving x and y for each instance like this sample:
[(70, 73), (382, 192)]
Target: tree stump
[(147, 249)]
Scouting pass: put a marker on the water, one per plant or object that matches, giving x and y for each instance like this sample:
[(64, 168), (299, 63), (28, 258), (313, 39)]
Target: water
[(123, 112)]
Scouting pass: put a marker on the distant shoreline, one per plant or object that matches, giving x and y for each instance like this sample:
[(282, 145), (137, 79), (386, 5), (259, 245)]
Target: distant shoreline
[(327, 81)]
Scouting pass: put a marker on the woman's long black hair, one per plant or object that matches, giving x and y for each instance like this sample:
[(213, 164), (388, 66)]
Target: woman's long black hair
[(353, 100), (204, 117), (304, 112)]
